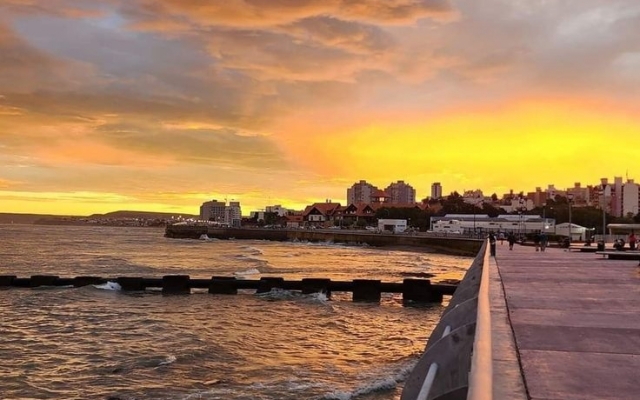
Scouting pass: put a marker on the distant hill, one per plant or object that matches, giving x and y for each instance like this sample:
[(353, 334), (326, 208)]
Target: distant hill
[(141, 214), (12, 218), (15, 218)]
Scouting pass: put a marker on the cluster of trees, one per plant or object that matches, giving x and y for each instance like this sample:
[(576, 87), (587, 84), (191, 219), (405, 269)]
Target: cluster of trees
[(589, 216), (558, 209)]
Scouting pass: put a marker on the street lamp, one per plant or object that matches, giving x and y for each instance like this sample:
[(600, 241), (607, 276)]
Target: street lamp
[(603, 204), (569, 200), (519, 223), (544, 217)]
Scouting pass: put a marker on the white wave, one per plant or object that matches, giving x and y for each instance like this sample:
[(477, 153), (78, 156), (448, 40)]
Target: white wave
[(250, 258), (327, 243), (167, 361), (375, 385), (252, 250), (204, 236), (250, 271), (216, 393), (109, 286), (278, 294), (319, 296)]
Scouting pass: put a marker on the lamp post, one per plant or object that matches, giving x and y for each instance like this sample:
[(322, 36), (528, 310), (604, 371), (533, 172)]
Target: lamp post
[(474, 219), (519, 223), (544, 217), (603, 204), (569, 200)]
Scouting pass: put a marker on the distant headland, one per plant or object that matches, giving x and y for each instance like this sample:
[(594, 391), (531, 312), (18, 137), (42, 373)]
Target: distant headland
[(115, 218)]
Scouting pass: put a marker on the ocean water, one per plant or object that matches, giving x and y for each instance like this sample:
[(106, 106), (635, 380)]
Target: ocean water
[(97, 342)]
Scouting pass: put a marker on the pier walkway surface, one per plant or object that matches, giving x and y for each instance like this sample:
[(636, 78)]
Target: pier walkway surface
[(575, 318)]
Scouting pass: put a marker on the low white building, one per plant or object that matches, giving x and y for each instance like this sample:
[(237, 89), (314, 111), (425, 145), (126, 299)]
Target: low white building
[(393, 225), (577, 232), (469, 223)]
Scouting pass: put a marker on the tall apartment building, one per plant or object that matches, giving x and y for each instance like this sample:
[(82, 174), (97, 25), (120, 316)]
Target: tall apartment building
[(213, 210), (605, 196), (218, 211), (436, 190), (538, 197), (361, 192), (277, 209), (616, 199), (233, 214), (630, 198), (579, 195), (401, 193)]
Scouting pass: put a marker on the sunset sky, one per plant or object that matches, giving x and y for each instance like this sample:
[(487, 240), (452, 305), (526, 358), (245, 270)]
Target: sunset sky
[(160, 105)]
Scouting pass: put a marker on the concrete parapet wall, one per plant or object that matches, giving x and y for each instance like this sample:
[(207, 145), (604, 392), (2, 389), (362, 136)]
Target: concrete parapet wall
[(448, 351)]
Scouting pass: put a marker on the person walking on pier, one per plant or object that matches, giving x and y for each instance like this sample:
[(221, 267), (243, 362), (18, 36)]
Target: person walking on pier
[(511, 239), (632, 241), (536, 240), (544, 240), (492, 244)]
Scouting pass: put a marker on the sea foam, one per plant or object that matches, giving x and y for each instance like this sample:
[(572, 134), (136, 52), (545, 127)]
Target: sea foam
[(109, 286), (374, 385)]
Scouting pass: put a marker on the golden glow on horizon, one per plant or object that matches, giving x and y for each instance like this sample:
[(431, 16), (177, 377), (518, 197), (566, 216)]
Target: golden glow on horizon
[(489, 147), (559, 143)]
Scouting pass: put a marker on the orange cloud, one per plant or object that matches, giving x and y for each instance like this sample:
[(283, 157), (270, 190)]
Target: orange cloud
[(294, 100)]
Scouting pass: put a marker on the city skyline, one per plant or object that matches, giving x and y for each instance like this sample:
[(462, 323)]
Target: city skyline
[(163, 105)]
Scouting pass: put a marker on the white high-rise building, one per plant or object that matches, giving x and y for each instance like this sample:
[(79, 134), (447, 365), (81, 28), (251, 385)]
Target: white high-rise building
[(213, 210), (233, 214), (218, 211)]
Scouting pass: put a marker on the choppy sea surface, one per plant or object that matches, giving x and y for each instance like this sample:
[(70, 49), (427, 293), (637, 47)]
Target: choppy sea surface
[(97, 342)]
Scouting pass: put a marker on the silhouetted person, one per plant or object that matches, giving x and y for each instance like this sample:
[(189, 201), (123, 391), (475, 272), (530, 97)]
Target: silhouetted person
[(492, 244), (511, 238), (544, 241), (632, 241)]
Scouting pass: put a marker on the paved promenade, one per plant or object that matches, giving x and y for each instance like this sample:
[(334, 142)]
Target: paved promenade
[(576, 321)]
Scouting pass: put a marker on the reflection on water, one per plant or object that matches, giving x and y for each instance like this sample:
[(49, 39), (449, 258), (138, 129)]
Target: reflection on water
[(95, 343)]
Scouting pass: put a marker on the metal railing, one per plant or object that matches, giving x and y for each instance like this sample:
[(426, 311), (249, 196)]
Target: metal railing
[(457, 363), (481, 375)]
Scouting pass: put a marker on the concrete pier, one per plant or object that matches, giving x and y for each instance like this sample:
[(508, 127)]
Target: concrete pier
[(553, 325), (576, 323)]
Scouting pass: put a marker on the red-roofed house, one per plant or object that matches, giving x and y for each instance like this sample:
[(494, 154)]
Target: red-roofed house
[(353, 213), (380, 197), (295, 220), (320, 214)]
